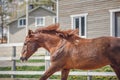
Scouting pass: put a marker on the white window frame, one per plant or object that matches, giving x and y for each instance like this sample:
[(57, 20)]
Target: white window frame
[(54, 21), (112, 21), (8, 35), (22, 22), (72, 23), (37, 25)]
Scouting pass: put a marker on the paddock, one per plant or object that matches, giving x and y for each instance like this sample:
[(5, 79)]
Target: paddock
[(14, 57)]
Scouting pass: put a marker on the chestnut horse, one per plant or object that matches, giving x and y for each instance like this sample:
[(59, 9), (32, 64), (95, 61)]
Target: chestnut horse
[(69, 51), (43, 37)]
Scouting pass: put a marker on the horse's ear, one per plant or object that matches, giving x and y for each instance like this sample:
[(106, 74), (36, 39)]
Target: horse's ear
[(30, 32)]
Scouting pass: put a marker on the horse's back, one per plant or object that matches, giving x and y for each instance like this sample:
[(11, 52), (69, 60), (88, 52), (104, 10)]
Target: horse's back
[(95, 53)]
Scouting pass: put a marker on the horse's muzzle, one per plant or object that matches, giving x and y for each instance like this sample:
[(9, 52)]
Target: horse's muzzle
[(23, 59)]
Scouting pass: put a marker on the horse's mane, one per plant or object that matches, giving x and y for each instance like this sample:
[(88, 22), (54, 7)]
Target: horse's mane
[(54, 30), (52, 27), (69, 35), (49, 29)]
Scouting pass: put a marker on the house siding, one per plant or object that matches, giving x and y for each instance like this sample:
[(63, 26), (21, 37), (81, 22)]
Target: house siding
[(98, 18), (17, 34)]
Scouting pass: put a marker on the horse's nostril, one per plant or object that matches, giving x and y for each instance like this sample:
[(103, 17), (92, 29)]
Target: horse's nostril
[(20, 58), (23, 58)]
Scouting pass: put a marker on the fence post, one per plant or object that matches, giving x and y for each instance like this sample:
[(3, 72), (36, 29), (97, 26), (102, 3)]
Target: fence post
[(89, 77), (13, 68), (47, 62)]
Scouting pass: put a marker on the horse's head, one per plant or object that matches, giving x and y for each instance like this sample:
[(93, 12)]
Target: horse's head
[(30, 45), (35, 40)]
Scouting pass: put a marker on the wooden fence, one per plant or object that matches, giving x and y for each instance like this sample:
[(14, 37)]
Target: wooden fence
[(13, 72)]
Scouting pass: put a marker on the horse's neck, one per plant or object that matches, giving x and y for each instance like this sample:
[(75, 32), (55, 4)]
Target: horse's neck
[(51, 44)]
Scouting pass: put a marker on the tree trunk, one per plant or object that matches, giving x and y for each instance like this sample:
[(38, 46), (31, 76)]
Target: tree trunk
[(1, 14)]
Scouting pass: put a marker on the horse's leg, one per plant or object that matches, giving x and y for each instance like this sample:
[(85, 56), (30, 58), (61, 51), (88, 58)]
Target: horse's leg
[(49, 72), (115, 62), (65, 73), (117, 70)]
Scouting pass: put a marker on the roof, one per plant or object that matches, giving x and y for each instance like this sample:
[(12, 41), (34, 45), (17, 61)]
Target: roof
[(53, 12)]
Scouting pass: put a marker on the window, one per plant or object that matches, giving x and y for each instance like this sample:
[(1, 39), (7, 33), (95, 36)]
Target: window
[(40, 21), (31, 7), (79, 22), (22, 22), (115, 22), (54, 20)]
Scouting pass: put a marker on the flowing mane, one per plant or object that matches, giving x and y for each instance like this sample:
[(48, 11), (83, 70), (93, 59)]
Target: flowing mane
[(53, 29), (50, 28), (69, 35)]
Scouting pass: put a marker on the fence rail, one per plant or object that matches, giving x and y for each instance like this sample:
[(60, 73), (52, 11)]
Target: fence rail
[(47, 62), (17, 58), (58, 73), (11, 45)]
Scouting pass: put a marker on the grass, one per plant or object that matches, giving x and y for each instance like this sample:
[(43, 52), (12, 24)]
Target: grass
[(24, 68), (30, 68), (5, 68), (32, 61)]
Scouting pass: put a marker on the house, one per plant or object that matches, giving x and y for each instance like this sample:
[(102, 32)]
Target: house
[(38, 17), (94, 18)]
